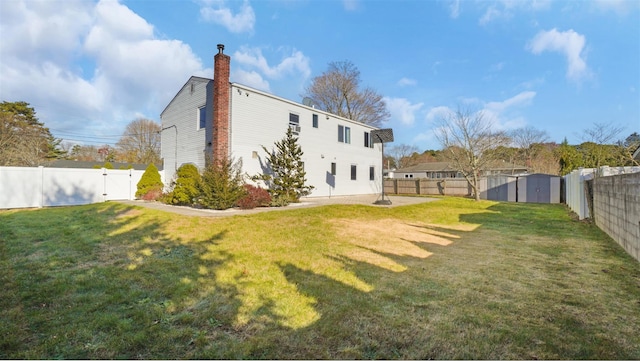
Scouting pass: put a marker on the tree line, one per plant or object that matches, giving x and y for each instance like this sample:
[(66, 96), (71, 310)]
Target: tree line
[(25, 141)]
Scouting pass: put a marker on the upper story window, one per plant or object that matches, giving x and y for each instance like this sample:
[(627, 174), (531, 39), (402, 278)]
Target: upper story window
[(368, 140), (344, 134), (315, 120), (294, 122), (202, 117)]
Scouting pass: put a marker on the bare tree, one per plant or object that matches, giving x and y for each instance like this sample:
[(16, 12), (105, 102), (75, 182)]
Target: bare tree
[(401, 154), (469, 140), (140, 142), (337, 91), (603, 136), (525, 140)]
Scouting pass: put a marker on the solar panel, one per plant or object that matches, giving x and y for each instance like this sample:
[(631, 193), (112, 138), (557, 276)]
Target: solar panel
[(382, 135)]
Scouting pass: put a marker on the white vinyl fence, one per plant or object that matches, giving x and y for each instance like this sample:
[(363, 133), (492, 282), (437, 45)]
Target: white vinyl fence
[(28, 187), (576, 197)]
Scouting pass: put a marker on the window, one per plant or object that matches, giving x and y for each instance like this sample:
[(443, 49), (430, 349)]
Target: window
[(353, 171), (202, 117), (333, 169), (372, 173), (344, 134), (294, 122), (315, 120), (408, 175), (366, 139)]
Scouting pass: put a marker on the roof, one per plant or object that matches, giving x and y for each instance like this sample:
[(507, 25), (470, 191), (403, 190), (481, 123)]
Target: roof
[(427, 167), (447, 167), (191, 78), (65, 163), (245, 87)]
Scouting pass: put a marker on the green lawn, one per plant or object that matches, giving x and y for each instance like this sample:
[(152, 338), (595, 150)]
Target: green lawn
[(447, 279)]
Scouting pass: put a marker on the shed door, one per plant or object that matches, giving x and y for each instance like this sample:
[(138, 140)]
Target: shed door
[(538, 188), (497, 189)]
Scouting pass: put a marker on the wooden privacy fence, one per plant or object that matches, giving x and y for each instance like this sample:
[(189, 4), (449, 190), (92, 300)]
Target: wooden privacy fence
[(426, 186)]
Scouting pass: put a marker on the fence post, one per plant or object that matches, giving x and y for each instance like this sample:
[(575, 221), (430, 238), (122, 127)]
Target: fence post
[(418, 187), (41, 169), (104, 176)]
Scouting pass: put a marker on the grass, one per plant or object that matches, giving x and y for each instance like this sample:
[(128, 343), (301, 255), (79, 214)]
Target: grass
[(446, 279)]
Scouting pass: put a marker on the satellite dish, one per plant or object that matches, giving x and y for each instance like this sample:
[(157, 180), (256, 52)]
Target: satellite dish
[(309, 102)]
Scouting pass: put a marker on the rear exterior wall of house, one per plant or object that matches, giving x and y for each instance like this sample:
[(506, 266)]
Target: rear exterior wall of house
[(339, 157)]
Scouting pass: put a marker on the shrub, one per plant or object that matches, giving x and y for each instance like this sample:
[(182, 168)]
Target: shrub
[(185, 187), (150, 184), (254, 197), (221, 185)]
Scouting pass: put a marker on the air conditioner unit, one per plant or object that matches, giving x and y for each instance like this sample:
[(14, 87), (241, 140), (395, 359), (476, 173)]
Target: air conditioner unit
[(295, 128)]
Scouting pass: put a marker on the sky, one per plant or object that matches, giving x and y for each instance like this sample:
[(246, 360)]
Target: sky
[(91, 67)]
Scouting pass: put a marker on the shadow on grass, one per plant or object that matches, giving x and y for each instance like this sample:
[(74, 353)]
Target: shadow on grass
[(130, 289), (147, 287)]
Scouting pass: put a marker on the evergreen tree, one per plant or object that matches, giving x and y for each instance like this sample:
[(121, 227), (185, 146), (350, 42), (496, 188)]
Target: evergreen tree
[(286, 176), (185, 187), (221, 185), (150, 184)]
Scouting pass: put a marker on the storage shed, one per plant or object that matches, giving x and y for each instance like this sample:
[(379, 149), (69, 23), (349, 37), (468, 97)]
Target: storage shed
[(538, 188), (500, 188)]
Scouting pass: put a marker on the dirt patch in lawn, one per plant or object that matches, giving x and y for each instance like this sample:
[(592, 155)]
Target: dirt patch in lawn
[(375, 241)]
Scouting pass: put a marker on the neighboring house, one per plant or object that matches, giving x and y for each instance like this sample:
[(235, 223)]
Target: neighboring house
[(437, 170), (216, 118)]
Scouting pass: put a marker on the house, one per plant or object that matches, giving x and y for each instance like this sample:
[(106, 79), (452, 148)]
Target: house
[(215, 119), (438, 170)]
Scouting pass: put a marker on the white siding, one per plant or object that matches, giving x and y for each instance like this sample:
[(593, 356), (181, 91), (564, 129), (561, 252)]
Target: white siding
[(183, 113), (260, 119)]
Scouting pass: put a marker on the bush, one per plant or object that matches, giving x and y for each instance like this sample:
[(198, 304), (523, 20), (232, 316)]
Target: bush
[(254, 197), (221, 185), (185, 187), (150, 184)]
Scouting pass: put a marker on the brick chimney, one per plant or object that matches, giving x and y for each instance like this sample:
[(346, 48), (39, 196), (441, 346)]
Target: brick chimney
[(221, 104)]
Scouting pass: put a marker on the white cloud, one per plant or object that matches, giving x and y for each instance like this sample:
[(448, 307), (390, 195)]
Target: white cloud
[(402, 110), (407, 82), (253, 68), (88, 67), (569, 43), (351, 5), (454, 9), (218, 12), (439, 113), (620, 7), (250, 78), (506, 9), (502, 114)]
